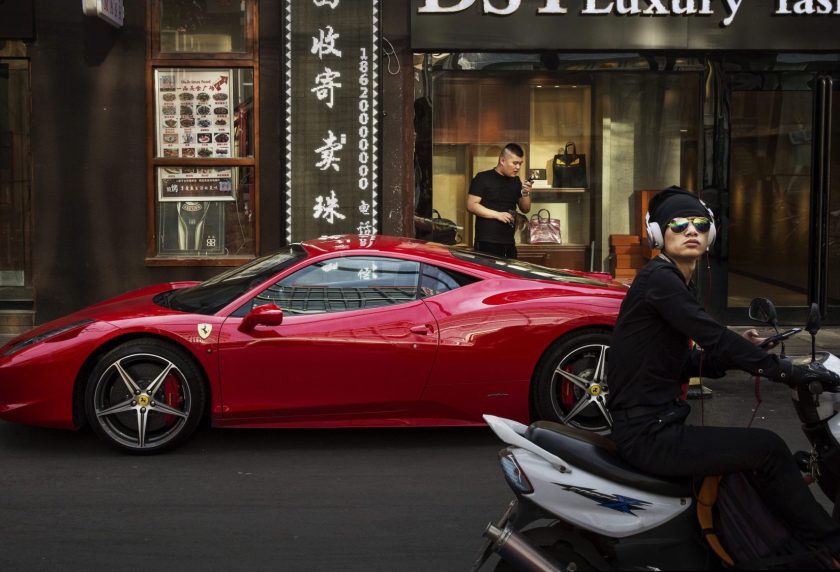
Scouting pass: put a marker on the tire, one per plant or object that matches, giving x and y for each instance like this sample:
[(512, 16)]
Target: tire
[(570, 382), (144, 396)]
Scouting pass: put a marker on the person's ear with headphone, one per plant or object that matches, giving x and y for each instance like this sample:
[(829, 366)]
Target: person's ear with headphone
[(682, 226)]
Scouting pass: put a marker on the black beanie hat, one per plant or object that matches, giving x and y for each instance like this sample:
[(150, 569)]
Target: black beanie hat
[(674, 202)]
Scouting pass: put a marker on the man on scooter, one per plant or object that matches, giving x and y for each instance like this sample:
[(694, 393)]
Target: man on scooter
[(650, 358)]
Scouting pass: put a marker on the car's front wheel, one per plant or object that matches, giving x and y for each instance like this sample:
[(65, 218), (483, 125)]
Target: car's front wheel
[(571, 382), (144, 396)]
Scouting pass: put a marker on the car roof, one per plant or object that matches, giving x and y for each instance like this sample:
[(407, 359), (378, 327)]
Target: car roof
[(380, 244)]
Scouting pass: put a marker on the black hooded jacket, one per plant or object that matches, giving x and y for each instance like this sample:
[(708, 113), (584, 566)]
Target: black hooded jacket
[(650, 354)]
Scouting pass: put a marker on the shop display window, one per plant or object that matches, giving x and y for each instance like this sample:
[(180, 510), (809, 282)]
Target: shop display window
[(15, 173), (596, 143), (213, 26), (203, 108)]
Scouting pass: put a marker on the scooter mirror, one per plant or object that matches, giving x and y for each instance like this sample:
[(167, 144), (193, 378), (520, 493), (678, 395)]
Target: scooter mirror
[(763, 310), (812, 326)]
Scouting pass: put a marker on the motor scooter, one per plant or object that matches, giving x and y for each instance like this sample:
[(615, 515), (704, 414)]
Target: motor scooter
[(579, 507)]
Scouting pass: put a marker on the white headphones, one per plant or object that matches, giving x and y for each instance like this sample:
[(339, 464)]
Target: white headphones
[(656, 238)]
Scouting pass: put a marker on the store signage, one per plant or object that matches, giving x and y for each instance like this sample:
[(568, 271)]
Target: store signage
[(638, 7), (478, 25), (112, 11), (332, 114)]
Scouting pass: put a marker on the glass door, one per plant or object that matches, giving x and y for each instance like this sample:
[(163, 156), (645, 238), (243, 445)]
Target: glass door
[(833, 266), (770, 196)]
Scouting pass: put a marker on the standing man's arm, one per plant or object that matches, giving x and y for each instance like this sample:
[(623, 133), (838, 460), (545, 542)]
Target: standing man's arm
[(524, 203), (474, 206)]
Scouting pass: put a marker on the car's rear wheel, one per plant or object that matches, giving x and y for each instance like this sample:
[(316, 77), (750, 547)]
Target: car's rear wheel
[(571, 382), (144, 396)]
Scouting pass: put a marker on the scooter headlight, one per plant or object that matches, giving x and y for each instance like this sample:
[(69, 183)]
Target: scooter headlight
[(514, 475)]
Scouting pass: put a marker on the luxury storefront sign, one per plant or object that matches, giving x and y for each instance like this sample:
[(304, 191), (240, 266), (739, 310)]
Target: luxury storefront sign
[(624, 24), (331, 68)]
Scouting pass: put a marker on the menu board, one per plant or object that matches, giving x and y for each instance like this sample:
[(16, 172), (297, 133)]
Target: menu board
[(194, 113)]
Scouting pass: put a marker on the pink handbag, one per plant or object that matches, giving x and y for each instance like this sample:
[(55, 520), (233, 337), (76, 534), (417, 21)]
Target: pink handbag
[(544, 229)]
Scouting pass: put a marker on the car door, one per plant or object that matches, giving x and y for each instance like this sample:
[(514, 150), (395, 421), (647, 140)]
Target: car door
[(356, 341)]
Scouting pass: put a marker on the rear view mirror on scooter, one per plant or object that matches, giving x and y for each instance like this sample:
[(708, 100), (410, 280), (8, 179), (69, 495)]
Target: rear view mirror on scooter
[(763, 310)]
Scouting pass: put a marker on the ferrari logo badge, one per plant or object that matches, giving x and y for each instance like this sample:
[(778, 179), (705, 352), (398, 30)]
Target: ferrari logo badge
[(204, 330)]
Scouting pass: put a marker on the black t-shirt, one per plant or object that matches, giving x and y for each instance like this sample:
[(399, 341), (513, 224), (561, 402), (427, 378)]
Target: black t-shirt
[(649, 355), (498, 193)]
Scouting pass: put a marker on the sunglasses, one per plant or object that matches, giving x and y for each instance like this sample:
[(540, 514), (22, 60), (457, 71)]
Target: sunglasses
[(700, 223)]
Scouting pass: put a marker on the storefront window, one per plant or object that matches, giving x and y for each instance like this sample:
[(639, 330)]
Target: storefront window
[(206, 26), (597, 145), (14, 172), (205, 212), (204, 162)]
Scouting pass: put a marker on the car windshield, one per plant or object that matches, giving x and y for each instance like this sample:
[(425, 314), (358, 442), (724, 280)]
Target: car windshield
[(521, 268), (211, 296)]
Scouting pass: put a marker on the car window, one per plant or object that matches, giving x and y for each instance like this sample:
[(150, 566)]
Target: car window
[(340, 284), (435, 280), (214, 294)]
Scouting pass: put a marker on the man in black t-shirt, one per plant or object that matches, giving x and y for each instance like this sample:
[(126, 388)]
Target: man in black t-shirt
[(493, 198)]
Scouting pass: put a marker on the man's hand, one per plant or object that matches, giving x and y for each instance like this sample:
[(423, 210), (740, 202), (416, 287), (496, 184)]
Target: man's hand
[(504, 217), (752, 336)]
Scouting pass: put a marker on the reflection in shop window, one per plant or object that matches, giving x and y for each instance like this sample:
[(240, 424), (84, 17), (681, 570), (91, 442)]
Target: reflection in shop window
[(205, 212), (208, 26)]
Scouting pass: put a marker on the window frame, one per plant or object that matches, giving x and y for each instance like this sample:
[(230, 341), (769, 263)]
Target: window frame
[(156, 60), (251, 27)]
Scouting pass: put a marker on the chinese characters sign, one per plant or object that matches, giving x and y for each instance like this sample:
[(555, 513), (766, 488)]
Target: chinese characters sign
[(331, 66)]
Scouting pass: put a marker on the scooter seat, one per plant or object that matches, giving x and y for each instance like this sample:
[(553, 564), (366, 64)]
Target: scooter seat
[(596, 454)]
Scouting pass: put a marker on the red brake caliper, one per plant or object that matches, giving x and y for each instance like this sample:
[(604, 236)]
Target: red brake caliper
[(567, 391), (174, 398)]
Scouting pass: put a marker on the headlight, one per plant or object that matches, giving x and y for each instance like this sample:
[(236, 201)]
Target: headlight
[(26, 342)]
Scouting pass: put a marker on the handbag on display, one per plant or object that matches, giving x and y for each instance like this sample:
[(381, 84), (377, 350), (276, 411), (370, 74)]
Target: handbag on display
[(569, 168), (436, 229), (544, 229)]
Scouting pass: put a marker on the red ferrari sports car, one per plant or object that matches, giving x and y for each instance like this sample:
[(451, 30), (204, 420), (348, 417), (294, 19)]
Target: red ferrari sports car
[(336, 332)]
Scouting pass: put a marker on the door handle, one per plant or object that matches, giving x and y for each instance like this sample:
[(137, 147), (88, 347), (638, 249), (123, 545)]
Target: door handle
[(423, 330)]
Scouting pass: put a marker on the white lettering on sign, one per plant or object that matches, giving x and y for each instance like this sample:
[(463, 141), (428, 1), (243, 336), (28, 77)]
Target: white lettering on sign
[(324, 44), (654, 8), (808, 7), (326, 209), (634, 7), (325, 85), (328, 150)]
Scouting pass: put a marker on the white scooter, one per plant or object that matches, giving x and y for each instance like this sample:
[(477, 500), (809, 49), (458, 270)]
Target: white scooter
[(579, 507)]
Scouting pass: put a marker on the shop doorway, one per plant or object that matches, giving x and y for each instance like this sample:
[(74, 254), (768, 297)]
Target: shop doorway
[(782, 221)]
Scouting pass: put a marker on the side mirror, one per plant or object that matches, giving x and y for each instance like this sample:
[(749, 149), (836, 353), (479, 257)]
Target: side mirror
[(763, 310), (812, 326), (266, 315)]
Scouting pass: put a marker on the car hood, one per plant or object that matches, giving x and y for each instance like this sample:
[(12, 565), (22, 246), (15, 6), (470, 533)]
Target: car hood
[(135, 304)]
